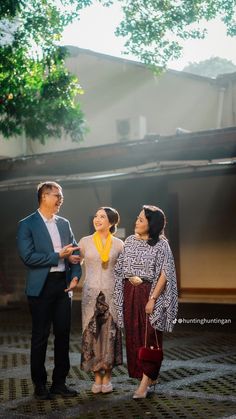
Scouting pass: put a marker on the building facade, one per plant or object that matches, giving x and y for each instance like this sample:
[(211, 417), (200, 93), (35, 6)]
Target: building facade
[(198, 197), (124, 101), (153, 140)]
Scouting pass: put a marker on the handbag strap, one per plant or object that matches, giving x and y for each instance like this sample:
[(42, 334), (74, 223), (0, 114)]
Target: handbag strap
[(146, 333)]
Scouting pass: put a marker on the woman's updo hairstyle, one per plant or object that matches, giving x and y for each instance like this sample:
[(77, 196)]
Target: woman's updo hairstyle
[(113, 217), (156, 222)]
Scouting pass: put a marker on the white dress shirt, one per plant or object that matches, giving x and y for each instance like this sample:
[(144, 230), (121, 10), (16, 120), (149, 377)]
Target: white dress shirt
[(56, 241)]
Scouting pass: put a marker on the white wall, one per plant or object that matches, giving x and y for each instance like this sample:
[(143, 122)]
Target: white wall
[(207, 231), (12, 147)]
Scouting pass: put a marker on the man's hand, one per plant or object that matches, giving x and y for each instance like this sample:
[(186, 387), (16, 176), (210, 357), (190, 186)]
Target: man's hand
[(73, 284), (66, 251)]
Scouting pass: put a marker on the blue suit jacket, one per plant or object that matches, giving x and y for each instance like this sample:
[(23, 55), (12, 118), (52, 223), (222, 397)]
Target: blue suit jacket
[(36, 250)]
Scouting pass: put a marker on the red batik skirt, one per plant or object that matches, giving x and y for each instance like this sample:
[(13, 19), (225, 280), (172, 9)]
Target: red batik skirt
[(135, 300)]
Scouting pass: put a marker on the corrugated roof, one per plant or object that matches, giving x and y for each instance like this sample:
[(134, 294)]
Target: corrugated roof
[(203, 145)]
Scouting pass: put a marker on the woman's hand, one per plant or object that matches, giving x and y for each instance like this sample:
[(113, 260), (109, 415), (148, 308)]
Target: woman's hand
[(149, 306), (73, 284), (74, 259)]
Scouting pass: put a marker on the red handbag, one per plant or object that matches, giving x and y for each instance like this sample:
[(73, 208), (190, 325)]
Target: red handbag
[(151, 354)]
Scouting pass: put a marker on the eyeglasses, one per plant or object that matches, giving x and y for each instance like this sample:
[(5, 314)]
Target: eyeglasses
[(59, 196)]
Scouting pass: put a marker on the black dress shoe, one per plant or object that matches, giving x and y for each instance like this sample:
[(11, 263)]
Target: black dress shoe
[(41, 392), (62, 390)]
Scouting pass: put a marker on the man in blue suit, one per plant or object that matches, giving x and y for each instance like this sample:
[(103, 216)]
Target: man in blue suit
[(45, 243)]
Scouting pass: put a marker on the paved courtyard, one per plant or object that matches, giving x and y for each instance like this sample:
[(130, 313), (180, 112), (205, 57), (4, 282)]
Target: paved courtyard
[(197, 380)]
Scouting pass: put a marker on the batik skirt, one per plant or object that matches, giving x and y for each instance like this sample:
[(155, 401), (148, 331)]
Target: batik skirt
[(135, 300), (101, 340)]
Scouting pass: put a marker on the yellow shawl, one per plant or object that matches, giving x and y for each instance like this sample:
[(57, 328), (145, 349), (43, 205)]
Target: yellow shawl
[(103, 250)]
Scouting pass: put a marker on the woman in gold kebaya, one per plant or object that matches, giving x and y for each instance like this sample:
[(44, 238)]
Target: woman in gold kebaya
[(101, 339)]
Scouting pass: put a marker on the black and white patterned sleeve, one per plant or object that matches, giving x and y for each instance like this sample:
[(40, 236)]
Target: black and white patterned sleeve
[(119, 289), (166, 306)]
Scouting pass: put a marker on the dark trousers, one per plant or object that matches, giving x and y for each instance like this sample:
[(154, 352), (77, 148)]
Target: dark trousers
[(52, 307)]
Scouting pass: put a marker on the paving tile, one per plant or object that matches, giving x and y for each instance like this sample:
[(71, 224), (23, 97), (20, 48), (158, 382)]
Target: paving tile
[(197, 380)]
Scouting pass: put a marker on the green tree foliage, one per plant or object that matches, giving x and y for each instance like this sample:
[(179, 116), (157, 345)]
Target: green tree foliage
[(38, 96), (155, 29), (211, 67)]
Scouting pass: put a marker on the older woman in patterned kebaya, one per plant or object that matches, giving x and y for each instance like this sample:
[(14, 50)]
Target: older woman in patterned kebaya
[(145, 285)]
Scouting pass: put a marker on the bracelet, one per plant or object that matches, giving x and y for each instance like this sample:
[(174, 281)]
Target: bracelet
[(152, 298)]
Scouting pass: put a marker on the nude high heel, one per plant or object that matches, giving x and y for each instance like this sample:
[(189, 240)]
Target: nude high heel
[(153, 384), (96, 388), (107, 388), (140, 395)]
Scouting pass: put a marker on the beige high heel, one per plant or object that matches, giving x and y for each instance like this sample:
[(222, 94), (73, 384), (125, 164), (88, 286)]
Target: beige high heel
[(153, 384), (96, 388), (140, 395), (107, 388)]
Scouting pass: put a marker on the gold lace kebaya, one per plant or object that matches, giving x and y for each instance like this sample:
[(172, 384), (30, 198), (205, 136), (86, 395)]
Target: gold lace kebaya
[(103, 250)]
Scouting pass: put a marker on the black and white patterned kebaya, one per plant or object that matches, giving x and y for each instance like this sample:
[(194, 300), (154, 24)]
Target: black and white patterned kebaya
[(148, 262)]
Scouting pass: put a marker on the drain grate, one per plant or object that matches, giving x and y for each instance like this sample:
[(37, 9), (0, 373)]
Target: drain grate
[(222, 385), (177, 374), (191, 353), (13, 360)]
